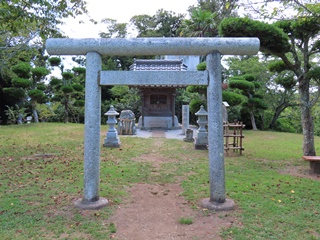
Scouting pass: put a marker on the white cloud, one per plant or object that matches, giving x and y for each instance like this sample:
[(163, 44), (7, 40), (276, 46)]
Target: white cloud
[(121, 11)]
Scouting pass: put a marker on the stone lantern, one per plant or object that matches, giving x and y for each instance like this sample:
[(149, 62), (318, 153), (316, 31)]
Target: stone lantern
[(201, 139), (112, 139)]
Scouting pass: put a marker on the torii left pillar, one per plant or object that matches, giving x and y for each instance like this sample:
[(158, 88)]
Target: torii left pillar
[(91, 198)]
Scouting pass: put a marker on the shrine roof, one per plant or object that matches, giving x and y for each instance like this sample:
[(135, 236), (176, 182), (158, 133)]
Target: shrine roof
[(158, 65)]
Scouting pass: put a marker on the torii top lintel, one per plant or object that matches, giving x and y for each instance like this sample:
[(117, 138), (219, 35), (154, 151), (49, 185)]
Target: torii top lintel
[(152, 46)]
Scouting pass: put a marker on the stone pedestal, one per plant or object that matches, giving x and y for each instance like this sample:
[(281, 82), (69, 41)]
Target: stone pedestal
[(112, 139), (201, 139), (158, 122), (227, 205), (86, 205)]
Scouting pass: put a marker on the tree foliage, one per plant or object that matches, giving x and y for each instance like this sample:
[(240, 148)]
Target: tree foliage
[(162, 24), (295, 42), (205, 18), (24, 26)]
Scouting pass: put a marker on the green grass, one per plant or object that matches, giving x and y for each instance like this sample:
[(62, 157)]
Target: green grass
[(37, 194), (186, 220)]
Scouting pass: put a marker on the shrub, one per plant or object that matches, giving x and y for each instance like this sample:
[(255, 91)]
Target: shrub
[(41, 86), (37, 95), (284, 125), (241, 84), (77, 87), (79, 103), (67, 89), (67, 75), (232, 98), (22, 70), (79, 70), (195, 105), (274, 39), (55, 81), (202, 66), (21, 82), (39, 72), (17, 93), (54, 61)]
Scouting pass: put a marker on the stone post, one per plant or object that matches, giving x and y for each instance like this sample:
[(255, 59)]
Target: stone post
[(91, 199), (201, 140), (185, 118), (225, 105), (217, 200), (112, 139)]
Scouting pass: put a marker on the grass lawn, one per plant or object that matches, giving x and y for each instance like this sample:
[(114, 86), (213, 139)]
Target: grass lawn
[(37, 193)]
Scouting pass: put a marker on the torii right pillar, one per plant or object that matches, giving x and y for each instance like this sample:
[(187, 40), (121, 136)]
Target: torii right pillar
[(217, 200)]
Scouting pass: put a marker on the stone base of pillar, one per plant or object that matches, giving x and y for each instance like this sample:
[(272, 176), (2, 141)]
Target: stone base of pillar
[(85, 205), (226, 206)]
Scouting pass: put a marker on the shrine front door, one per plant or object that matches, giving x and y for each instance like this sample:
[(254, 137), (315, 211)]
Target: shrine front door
[(158, 102)]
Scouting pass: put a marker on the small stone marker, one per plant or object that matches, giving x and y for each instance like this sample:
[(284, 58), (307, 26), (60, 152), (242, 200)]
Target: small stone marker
[(185, 118), (225, 105), (189, 135), (112, 139)]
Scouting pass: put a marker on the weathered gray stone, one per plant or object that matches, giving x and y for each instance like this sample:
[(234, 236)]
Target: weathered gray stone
[(112, 139), (225, 105), (153, 78), (92, 129), (127, 123), (201, 139), (185, 118), (189, 135), (152, 46), (215, 130), (227, 205), (87, 205), (158, 122)]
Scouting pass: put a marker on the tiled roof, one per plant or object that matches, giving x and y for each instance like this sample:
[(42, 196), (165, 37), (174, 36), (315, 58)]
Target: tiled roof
[(158, 65)]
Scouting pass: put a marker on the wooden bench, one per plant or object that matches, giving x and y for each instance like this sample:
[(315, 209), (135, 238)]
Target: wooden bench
[(314, 163)]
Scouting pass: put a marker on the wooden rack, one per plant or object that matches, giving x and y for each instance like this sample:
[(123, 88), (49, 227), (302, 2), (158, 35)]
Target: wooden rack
[(233, 136)]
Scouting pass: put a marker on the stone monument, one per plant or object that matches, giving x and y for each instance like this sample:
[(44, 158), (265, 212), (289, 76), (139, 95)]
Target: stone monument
[(127, 123)]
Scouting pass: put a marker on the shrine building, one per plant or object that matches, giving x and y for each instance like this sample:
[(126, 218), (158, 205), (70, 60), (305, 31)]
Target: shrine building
[(158, 101)]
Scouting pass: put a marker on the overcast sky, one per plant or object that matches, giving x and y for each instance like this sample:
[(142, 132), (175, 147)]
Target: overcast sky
[(122, 11)]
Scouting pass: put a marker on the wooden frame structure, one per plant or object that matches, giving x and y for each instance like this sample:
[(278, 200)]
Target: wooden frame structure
[(233, 135)]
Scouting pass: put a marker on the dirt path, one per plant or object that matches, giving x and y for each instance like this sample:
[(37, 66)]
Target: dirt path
[(154, 211)]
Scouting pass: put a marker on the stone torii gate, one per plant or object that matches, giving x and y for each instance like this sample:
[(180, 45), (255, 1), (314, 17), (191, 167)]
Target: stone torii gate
[(212, 48)]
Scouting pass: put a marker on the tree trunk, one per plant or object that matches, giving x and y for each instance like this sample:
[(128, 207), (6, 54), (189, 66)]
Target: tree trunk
[(253, 121), (35, 113), (306, 119), (277, 113), (66, 110)]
